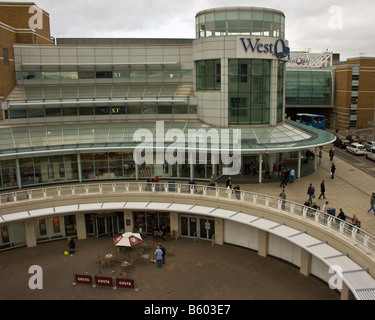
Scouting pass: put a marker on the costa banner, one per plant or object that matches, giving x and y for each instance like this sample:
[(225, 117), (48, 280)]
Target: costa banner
[(125, 283), (103, 281), (83, 279)]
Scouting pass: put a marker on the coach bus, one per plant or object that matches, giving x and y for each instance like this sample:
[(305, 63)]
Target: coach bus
[(314, 120)]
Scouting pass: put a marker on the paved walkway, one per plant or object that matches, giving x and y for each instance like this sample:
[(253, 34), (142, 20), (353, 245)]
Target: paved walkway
[(350, 189)]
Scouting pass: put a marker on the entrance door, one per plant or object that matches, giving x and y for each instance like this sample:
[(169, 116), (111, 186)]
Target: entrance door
[(200, 227), (207, 228)]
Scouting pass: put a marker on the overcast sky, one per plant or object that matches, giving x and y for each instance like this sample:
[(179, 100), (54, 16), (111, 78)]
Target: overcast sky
[(343, 26)]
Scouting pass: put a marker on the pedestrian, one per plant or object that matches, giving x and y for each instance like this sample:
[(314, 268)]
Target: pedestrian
[(333, 169), (282, 196), (372, 202), (162, 248), (228, 184), (72, 246), (292, 176), (159, 257), (267, 174), (237, 191), (325, 211), (331, 154), (354, 221), (193, 186), (341, 216), (311, 193), (282, 178), (322, 190)]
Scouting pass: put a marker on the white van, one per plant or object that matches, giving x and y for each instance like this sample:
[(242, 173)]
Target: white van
[(370, 154)]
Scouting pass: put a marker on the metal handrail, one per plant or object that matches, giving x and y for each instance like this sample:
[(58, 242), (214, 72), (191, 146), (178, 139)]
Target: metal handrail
[(252, 198)]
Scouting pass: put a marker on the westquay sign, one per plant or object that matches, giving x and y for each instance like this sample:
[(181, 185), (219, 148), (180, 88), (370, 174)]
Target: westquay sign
[(260, 46)]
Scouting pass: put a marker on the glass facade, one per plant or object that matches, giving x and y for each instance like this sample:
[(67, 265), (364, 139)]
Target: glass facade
[(249, 91), (174, 74), (308, 87), (240, 21), (280, 91), (209, 75)]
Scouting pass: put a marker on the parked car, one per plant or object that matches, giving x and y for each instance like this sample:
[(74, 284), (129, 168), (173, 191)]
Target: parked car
[(370, 154), (356, 148), (341, 142), (369, 145), (353, 138)]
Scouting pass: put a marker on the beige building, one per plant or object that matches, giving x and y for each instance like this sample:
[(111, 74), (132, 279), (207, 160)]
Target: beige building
[(355, 93)]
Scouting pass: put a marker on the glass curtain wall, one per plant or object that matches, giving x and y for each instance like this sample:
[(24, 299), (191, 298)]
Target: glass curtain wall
[(280, 90), (306, 87), (249, 91)]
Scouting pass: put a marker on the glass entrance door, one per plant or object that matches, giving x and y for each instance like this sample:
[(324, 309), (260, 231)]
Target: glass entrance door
[(207, 228), (200, 227)]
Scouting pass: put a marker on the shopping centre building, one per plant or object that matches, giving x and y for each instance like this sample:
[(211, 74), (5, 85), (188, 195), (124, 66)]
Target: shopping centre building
[(81, 108)]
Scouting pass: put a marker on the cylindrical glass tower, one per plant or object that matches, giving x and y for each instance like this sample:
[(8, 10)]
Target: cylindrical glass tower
[(240, 55)]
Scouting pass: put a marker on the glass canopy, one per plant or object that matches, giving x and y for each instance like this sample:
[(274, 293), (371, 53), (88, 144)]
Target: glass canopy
[(77, 137)]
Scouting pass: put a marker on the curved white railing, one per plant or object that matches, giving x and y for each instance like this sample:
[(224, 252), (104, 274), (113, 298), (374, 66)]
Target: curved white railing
[(252, 198)]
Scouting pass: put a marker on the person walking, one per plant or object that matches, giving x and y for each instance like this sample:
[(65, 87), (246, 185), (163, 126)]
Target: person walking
[(159, 257), (72, 246), (331, 154), (322, 190), (372, 202), (162, 248), (237, 191), (267, 174), (282, 196), (228, 184), (333, 170), (311, 193)]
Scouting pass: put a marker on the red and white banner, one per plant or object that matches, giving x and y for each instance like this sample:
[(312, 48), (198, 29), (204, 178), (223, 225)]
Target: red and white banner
[(83, 279), (104, 281), (125, 283)]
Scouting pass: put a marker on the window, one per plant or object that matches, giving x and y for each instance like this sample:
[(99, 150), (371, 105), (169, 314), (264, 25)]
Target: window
[(208, 75), (5, 56)]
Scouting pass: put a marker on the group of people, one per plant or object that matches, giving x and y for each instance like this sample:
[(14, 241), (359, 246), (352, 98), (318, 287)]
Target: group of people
[(287, 176)]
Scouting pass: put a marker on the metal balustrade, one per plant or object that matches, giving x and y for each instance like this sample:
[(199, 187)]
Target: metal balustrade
[(253, 199)]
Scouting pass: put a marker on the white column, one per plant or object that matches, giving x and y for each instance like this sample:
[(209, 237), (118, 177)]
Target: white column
[(299, 165), (18, 174), (260, 168), (79, 165)]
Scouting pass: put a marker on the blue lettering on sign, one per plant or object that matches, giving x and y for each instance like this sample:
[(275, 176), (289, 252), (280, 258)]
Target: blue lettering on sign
[(278, 49)]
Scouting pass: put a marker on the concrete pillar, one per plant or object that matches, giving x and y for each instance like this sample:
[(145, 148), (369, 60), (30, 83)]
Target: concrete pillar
[(219, 231), (129, 221), (346, 294), (174, 222), (79, 165), (81, 226), (299, 165), (305, 266), (316, 157), (260, 168), (18, 174), (30, 233), (263, 243)]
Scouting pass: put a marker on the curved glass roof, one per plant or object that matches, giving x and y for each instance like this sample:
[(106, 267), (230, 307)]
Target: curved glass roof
[(29, 140)]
